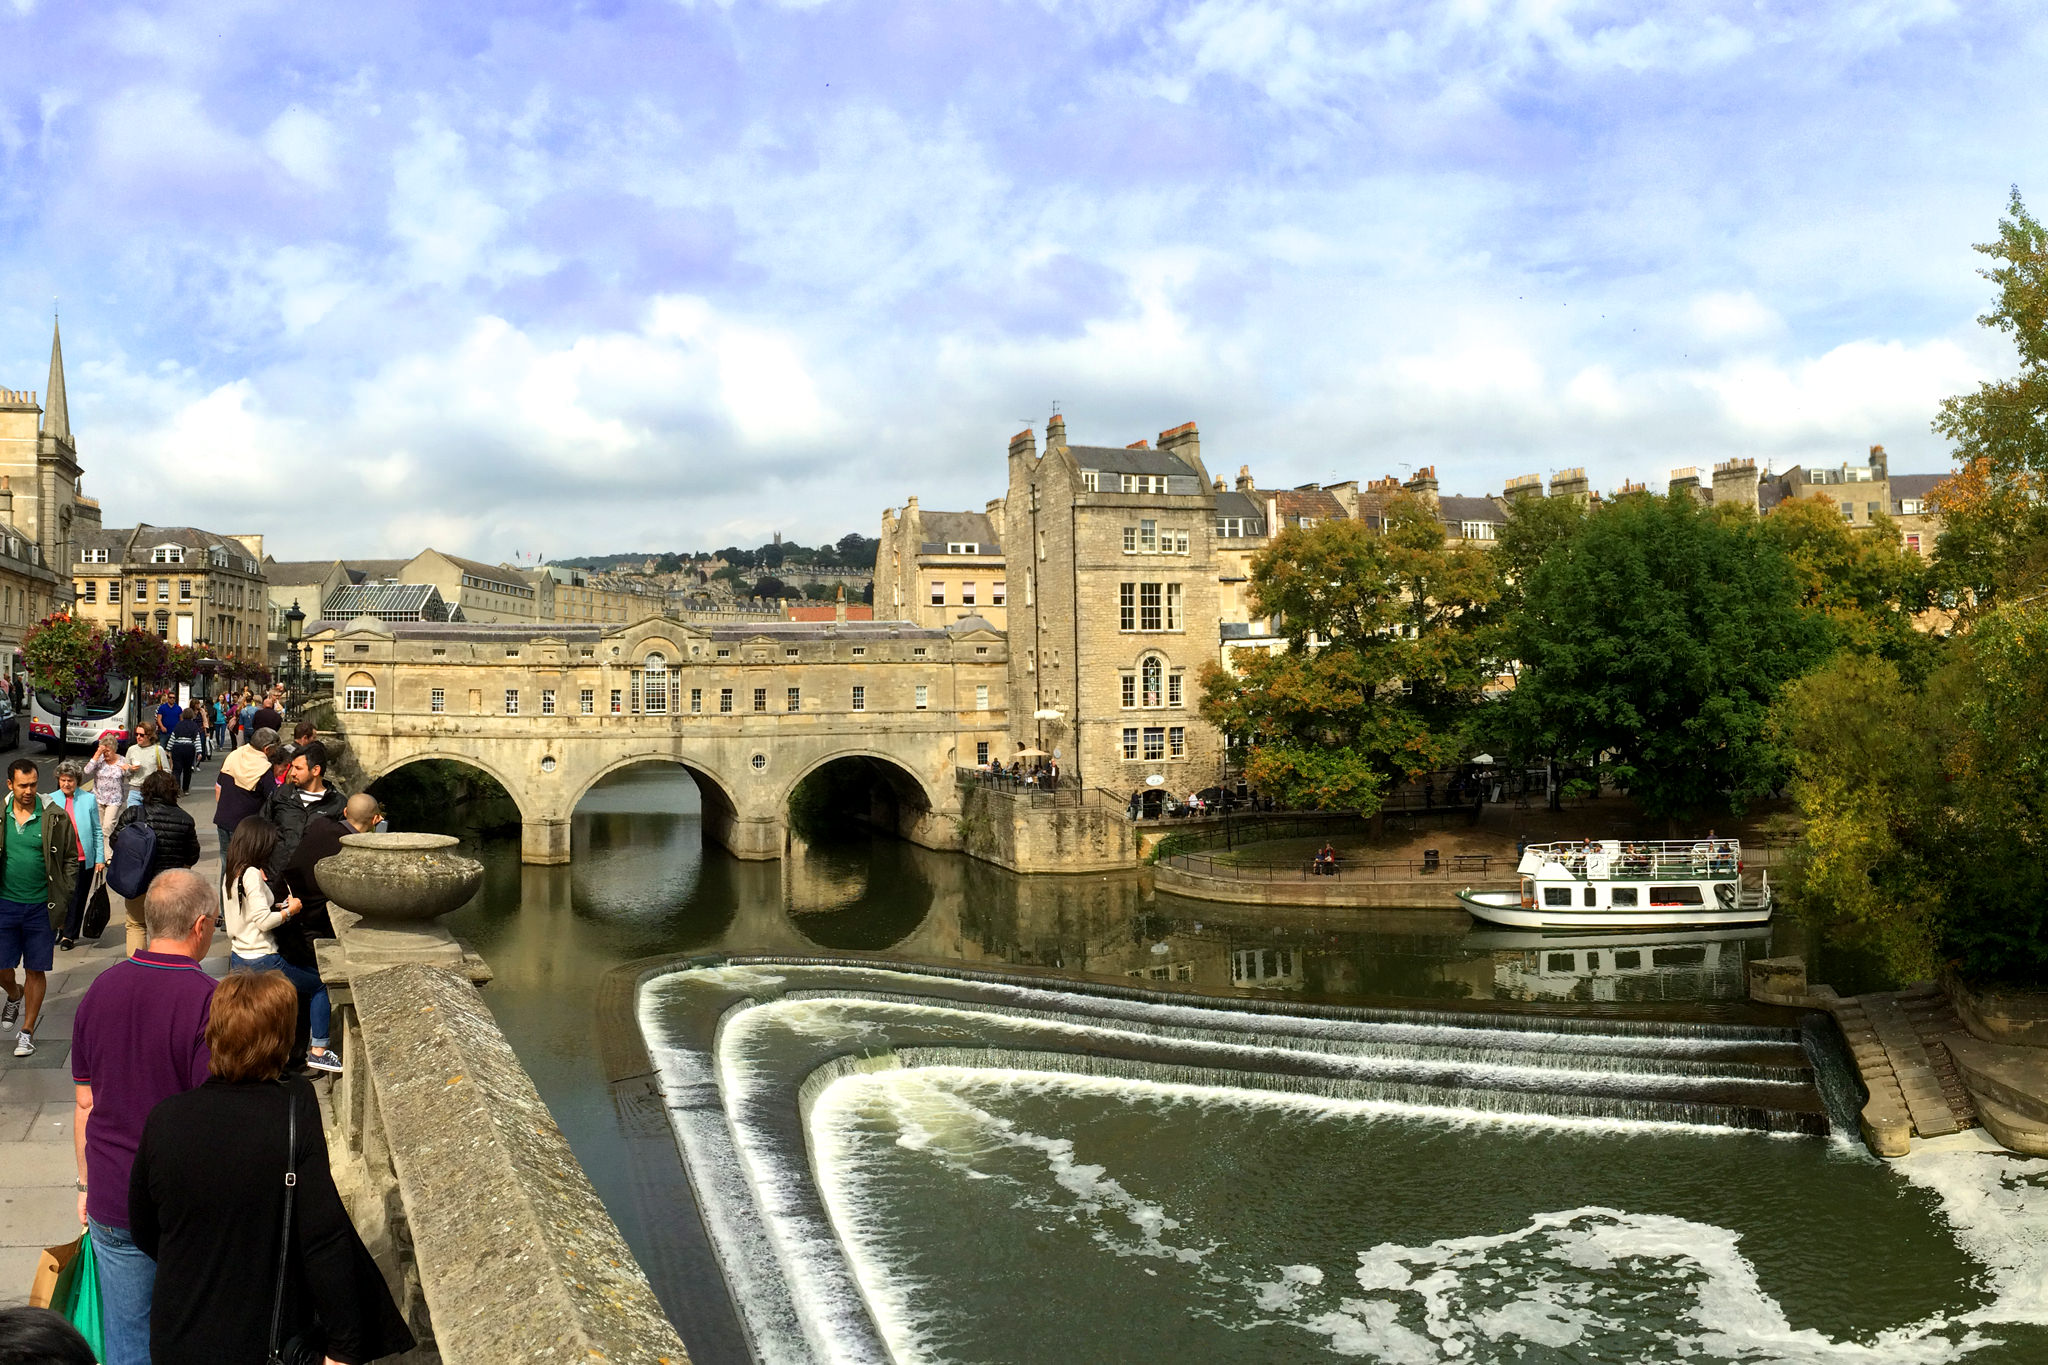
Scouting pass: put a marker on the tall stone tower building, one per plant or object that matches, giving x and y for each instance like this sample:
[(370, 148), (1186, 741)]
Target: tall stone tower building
[(1113, 607), (40, 463)]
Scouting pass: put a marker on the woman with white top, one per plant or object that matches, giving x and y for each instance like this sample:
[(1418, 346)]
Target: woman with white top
[(253, 914), (145, 756)]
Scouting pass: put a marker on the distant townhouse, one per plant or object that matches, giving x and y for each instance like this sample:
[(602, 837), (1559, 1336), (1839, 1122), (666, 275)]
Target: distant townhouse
[(1861, 492), (188, 586), (935, 568)]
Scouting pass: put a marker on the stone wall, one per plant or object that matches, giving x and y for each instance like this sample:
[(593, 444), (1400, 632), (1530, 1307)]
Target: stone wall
[(1025, 834), (465, 1188)]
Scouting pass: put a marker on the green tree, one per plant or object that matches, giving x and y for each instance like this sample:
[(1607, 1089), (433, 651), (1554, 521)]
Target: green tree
[(1867, 777), (67, 658), (1653, 642), (1382, 664), (1996, 541)]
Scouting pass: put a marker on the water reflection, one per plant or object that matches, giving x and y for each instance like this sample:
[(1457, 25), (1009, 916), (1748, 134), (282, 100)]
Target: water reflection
[(643, 882)]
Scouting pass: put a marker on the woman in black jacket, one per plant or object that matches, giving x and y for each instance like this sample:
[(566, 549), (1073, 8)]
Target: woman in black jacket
[(215, 1227), (177, 843)]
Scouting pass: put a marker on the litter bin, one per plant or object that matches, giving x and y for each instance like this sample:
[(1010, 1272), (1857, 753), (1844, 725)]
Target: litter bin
[(1430, 860)]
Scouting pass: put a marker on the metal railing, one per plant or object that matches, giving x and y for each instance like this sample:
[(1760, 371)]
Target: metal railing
[(1457, 866)]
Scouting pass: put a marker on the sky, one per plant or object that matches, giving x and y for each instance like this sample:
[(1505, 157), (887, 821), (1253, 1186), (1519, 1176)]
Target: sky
[(636, 275)]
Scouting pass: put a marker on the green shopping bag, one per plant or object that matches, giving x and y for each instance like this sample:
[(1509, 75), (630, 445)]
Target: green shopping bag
[(77, 1296)]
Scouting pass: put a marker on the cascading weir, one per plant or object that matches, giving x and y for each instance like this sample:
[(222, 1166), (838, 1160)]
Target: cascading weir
[(768, 1067)]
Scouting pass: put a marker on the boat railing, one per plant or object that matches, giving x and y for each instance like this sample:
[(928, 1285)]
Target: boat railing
[(1638, 859)]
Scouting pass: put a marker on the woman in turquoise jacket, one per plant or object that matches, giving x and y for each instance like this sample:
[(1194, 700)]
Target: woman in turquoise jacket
[(85, 818)]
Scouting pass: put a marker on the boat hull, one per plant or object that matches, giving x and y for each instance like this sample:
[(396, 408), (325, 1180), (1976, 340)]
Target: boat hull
[(1506, 908)]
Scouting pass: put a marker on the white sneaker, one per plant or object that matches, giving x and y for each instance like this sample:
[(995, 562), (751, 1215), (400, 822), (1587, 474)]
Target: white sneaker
[(24, 1045), (10, 1013)]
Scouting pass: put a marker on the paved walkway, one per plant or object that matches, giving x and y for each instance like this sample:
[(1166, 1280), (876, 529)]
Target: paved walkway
[(38, 1167)]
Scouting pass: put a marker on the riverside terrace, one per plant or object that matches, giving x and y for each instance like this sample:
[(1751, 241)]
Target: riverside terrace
[(749, 710)]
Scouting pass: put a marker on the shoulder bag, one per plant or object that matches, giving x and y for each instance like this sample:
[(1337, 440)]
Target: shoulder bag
[(304, 1347)]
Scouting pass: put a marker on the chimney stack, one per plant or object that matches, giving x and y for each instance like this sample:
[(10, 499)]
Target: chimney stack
[(1735, 481), (839, 606), (1244, 478), (1686, 481), (1423, 484), (1879, 464), (1571, 483), (1055, 431)]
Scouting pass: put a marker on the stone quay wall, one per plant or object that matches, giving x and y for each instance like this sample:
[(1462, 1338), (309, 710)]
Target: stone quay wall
[(464, 1187), (1037, 834)]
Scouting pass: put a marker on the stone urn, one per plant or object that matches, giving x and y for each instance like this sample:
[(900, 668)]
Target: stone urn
[(399, 878)]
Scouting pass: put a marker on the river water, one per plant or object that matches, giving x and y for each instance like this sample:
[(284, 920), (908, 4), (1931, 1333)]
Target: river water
[(1014, 1210)]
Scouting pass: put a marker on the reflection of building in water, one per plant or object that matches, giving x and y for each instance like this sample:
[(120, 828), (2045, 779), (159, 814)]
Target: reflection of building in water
[(1271, 967), (1620, 971)]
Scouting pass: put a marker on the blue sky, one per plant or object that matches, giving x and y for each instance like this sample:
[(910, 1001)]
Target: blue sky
[(640, 274)]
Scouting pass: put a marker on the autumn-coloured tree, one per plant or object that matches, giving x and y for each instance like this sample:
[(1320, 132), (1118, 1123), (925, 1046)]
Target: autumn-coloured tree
[(1866, 584), (1383, 663)]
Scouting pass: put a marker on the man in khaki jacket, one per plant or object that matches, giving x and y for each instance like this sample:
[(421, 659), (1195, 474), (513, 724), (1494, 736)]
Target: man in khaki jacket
[(38, 872)]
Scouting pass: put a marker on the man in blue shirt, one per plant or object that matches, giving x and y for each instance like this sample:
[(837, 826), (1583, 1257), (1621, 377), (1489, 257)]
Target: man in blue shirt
[(38, 870)]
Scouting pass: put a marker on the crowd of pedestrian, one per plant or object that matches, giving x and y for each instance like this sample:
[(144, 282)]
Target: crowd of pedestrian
[(203, 1184)]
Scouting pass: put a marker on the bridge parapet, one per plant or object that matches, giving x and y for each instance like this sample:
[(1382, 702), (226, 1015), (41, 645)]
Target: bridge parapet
[(749, 710)]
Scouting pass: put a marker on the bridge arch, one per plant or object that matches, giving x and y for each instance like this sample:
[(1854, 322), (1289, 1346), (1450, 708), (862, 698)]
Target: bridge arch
[(513, 789), (880, 788), (714, 789)]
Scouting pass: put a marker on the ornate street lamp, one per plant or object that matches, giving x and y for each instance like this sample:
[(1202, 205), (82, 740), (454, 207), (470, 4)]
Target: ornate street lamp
[(294, 627)]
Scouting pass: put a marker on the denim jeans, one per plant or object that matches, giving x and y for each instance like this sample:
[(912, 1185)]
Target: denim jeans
[(126, 1279), (309, 985)]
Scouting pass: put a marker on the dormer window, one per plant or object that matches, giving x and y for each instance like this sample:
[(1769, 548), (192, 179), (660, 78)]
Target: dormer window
[(167, 554), (1477, 530), (1091, 479), (1144, 483), (93, 557), (963, 547)]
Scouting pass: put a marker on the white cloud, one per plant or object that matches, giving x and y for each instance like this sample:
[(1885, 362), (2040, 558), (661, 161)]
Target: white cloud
[(1739, 316), (303, 143), (1858, 387)]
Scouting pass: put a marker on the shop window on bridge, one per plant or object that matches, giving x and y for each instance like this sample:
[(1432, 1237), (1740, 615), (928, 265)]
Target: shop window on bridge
[(437, 700), (696, 701), (654, 686), (511, 701), (922, 696), (547, 701), (981, 753), (618, 702), (981, 696), (760, 699), (796, 699), (360, 694), (860, 697), (725, 701), (586, 701)]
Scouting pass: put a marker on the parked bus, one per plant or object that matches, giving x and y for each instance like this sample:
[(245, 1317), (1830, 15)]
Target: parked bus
[(89, 717)]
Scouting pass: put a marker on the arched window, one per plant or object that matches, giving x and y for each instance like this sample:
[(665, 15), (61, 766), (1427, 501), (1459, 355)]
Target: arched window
[(1152, 680), (654, 685), (360, 694)]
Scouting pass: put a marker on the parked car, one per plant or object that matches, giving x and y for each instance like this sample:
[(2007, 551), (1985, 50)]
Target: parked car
[(10, 725)]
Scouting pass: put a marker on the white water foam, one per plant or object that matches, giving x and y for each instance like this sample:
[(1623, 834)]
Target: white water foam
[(1578, 1277)]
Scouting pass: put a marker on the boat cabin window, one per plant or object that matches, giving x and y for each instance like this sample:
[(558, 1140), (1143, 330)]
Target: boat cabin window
[(1629, 960), (1623, 895), (1590, 902), (1676, 895), (1562, 963), (1557, 895), (1688, 956)]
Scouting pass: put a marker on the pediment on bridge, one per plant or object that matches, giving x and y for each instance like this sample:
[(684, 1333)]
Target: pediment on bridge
[(655, 632)]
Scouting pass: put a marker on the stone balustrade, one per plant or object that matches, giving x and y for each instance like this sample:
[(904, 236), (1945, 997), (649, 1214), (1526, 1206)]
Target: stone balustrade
[(463, 1186)]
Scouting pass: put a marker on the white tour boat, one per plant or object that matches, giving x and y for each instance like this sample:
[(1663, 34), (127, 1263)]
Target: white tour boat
[(1627, 884)]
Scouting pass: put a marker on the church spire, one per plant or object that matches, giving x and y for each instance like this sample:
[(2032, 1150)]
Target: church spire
[(56, 413)]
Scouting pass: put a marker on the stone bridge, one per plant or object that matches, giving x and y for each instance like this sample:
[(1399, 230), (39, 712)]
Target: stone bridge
[(749, 710)]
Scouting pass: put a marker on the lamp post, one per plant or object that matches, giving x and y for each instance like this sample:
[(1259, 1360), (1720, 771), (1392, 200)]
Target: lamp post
[(294, 628)]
